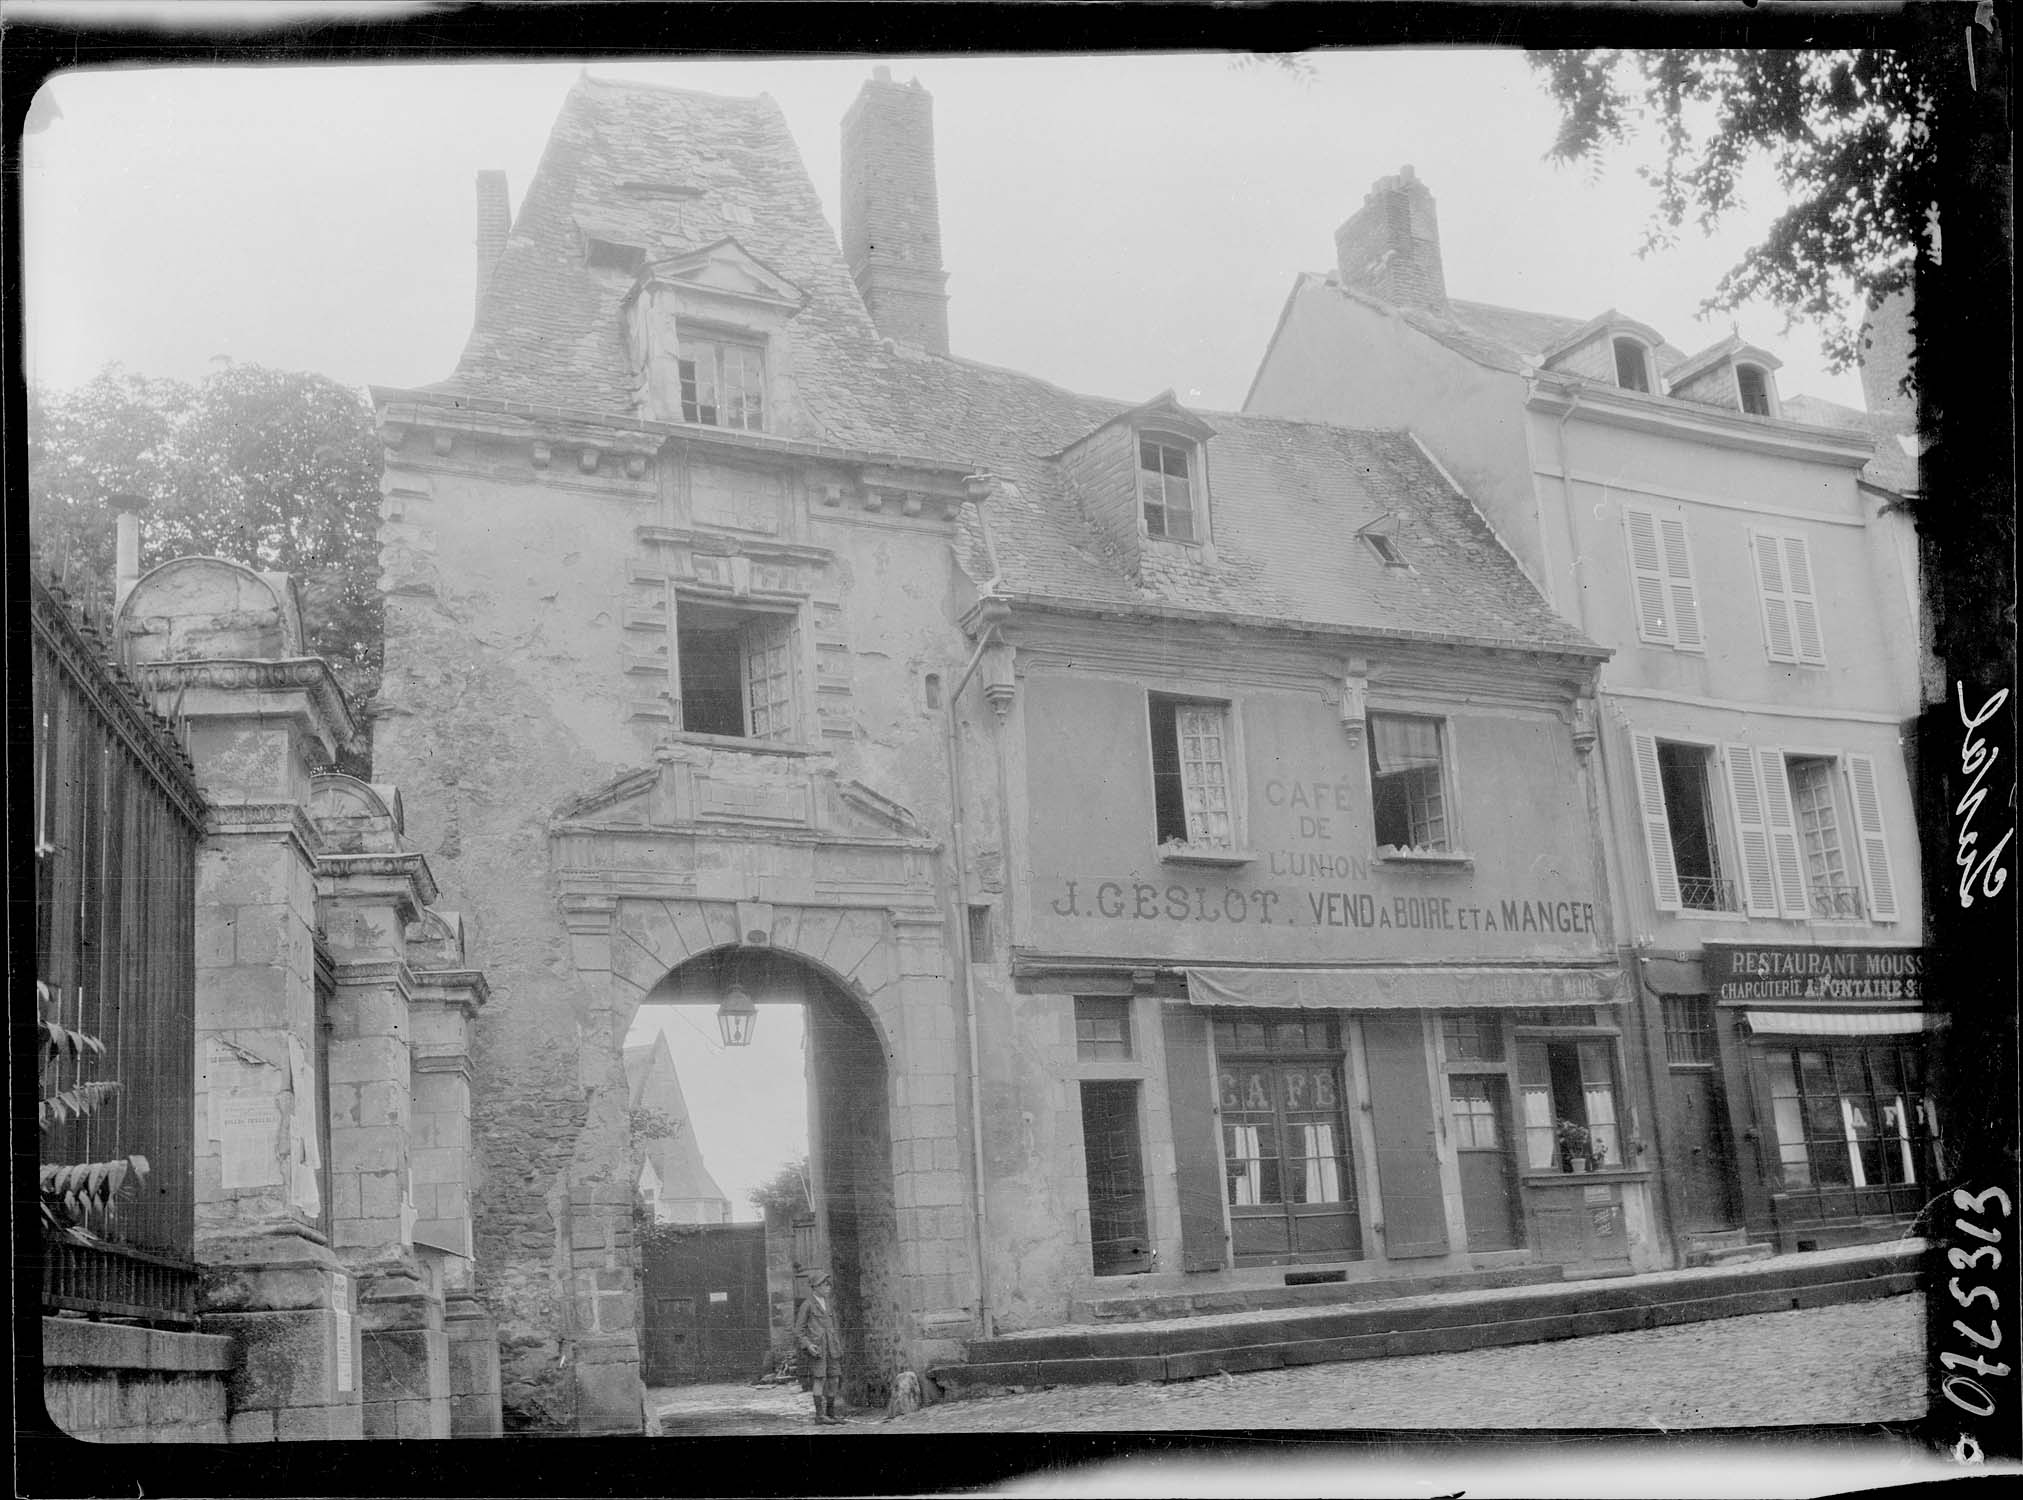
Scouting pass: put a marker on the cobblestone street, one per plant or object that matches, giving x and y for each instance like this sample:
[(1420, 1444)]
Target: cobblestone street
[(1857, 1362)]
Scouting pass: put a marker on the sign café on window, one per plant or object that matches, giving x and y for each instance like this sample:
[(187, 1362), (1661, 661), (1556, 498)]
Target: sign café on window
[(1740, 973)]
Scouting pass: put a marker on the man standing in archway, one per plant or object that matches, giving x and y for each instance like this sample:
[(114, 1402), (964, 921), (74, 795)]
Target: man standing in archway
[(821, 1346)]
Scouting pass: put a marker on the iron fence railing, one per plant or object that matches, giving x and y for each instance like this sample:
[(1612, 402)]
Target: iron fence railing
[(118, 819), (1701, 893), (1841, 902)]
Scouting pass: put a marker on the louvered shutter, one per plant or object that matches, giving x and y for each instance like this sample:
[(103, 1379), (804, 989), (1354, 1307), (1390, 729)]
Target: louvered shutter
[(1804, 603), (1777, 633), (1685, 606), (1787, 861), (1875, 849), (1745, 796), (1647, 575), (1657, 828)]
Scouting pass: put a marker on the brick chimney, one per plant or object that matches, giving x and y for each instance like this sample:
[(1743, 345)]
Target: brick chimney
[(1886, 356), (495, 220), (1390, 247), (891, 213)]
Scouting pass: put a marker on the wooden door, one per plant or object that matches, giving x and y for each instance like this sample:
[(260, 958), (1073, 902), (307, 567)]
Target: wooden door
[(1403, 1127), (671, 1342), (1706, 1169), (1285, 1147), (1120, 1241), (1478, 1105)]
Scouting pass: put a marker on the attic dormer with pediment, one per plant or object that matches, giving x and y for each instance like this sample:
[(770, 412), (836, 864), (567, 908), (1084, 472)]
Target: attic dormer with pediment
[(1613, 350), (1142, 478), (1731, 374), (708, 336)]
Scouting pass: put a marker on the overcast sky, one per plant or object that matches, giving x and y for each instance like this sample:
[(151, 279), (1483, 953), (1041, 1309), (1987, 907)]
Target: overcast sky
[(1116, 224)]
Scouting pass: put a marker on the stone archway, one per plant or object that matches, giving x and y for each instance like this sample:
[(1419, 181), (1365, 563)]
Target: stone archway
[(883, 1120), (850, 1143)]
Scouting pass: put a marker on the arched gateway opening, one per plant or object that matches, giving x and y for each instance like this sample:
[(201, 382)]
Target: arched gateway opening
[(855, 1223)]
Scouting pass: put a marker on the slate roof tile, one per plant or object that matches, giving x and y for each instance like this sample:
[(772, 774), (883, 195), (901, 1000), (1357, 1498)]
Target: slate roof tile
[(1287, 497)]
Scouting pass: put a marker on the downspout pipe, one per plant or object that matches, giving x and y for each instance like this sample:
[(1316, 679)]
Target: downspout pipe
[(993, 614)]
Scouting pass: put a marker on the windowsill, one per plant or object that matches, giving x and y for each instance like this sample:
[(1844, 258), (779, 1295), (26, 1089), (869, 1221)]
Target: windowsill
[(739, 742), (1185, 854), (1391, 854), (1574, 1179), (1701, 914)]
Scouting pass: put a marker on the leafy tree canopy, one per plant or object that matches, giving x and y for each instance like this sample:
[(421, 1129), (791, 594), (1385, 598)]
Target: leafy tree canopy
[(786, 1190), (1847, 133), (271, 468)]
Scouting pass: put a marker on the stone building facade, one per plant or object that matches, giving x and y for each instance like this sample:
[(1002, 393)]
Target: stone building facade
[(1747, 558)]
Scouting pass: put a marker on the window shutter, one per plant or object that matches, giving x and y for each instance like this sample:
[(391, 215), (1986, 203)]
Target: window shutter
[(1745, 796), (1786, 860), (1657, 828), (1647, 575), (1685, 606), (1197, 1164), (1875, 849), (1804, 604), (1777, 633)]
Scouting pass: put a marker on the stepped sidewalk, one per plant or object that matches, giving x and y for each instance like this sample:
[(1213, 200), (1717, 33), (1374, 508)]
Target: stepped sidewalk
[(1186, 1348)]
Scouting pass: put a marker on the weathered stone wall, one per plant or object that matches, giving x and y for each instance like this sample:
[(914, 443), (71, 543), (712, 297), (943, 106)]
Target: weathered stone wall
[(108, 1383), (528, 589)]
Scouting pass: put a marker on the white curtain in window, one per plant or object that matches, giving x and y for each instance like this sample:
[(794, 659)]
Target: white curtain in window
[(1855, 1124), (1246, 1178), (1323, 1173), (1541, 1139), (1897, 1122), (1404, 744)]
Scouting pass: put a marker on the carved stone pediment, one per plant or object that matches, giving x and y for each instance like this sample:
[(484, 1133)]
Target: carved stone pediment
[(701, 784)]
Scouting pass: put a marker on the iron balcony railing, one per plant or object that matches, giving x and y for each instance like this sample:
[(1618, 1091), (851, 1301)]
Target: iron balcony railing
[(1839, 902), (1702, 893)]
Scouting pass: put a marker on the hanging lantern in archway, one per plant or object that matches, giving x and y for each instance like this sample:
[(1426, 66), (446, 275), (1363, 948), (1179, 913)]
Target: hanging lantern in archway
[(737, 1017)]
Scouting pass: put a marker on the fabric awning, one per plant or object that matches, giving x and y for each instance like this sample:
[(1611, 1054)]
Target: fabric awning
[(1840, 1022), (1457, 988)]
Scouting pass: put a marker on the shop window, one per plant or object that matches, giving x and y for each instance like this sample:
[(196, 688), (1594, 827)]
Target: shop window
[(1290, 1190), (1853, 1126), (1102, 1027), (1472, 1036), (723, 383), (737, 671), (1191, 773), (1689, 1031), (1166, 490), (1791, 620), (1408, 783), (1633, 368), (1661, 572), (1675, 796), (1568, 1092)]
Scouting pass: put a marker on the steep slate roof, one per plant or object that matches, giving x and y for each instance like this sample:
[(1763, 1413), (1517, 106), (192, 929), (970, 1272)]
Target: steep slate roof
[(1286, 501), (1286, 497), (667, 170), (677, 1159)]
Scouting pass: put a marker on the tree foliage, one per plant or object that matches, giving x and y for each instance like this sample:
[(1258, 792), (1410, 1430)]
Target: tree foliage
[(271, 468), (74, 1195), (786, 1190), (1848, 135)]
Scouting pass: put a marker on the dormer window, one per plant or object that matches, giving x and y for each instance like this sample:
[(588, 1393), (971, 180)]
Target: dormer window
[(1633, 367), (723, 383), (1166, 490), (1752, 385)]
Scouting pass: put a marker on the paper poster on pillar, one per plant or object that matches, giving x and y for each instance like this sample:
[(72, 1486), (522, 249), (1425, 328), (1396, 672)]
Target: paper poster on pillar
[(249, 1130), (305, 1156)]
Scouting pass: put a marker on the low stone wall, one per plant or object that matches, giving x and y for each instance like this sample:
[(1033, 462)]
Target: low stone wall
[(112, 1383)]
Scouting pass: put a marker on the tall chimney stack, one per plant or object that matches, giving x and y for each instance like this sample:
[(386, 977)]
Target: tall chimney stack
[(495, 221), (892, 213), (1390, 247), (126, 545)]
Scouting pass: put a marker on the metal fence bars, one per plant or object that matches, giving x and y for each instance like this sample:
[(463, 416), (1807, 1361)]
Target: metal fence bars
[(118, 819)]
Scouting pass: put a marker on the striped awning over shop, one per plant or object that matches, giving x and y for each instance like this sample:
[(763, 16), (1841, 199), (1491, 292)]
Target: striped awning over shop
[(1457, 988), (1840, 1022)]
